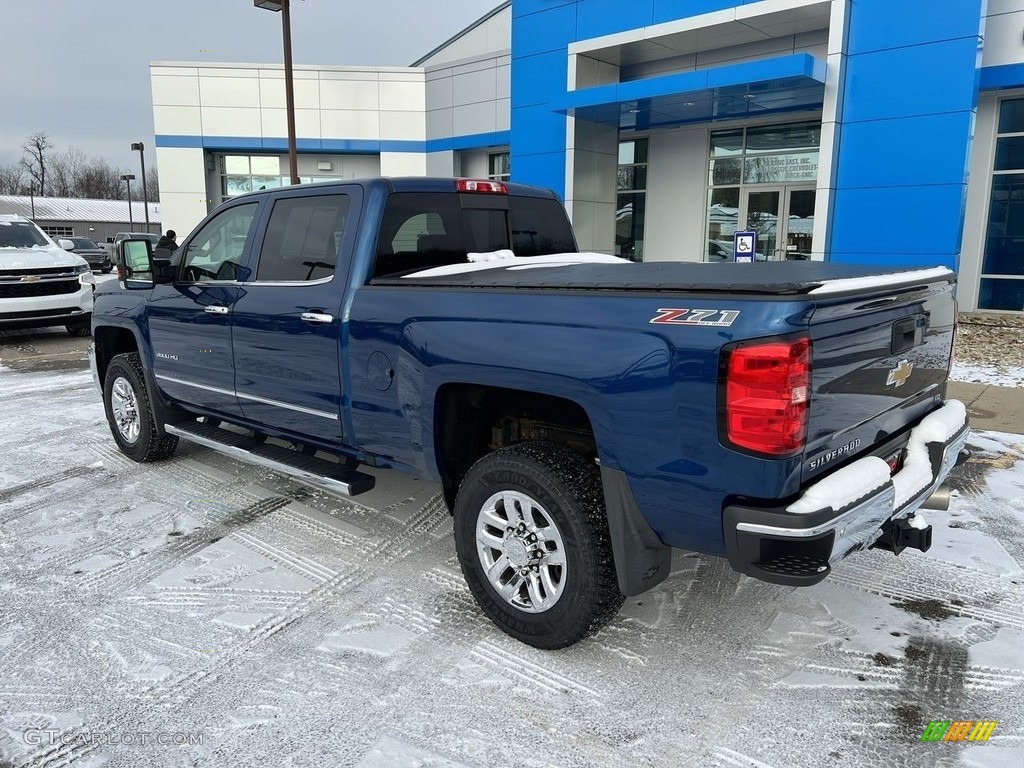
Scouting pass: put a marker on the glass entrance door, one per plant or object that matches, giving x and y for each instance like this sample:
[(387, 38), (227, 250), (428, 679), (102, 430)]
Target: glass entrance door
[(783, 218), (761, 215)]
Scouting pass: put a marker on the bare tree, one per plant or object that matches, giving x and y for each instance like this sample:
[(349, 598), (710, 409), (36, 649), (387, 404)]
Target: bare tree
[(99, 180), (66, 171), (36, 150), (152, 184), (12, 179)]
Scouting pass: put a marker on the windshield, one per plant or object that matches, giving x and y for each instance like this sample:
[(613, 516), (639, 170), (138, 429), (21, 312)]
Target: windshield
[(20, 234), (83, 242)]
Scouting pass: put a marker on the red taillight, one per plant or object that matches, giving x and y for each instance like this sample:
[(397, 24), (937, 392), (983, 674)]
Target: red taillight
[(479, 185), (766, 396)]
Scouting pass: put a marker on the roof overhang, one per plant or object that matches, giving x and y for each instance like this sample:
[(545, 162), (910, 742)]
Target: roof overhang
[(795, 82)]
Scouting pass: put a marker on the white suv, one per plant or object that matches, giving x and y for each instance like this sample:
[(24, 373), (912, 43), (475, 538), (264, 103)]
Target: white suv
[(41, 283)]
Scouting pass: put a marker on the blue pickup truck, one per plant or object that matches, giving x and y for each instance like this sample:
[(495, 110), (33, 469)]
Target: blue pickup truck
[(584, 415)]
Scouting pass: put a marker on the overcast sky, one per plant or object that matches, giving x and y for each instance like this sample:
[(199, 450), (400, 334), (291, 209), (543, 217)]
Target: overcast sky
[(79, 69)]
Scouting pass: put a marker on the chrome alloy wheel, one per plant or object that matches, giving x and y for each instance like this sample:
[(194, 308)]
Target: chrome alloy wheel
[(521, 551), (125, 407)]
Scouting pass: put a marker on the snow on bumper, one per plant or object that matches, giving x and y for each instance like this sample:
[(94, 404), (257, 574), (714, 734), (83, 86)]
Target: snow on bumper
[(846, 511)]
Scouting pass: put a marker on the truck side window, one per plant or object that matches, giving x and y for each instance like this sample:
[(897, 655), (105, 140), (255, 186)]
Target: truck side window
[(303, 238), (215, 252), (420, 230)]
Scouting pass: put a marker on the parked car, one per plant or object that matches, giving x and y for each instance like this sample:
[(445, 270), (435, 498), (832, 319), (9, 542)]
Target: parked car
[(97, 256), (582, 414), (116, 240), (42, 283)]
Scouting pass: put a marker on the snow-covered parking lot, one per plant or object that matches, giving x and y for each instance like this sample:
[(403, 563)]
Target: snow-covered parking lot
[(204, 612)]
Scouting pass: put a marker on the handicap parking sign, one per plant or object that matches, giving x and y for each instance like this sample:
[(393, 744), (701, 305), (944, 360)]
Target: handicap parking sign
[(744, 245)]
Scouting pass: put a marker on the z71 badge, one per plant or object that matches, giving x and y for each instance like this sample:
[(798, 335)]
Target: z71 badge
[(707, 317)]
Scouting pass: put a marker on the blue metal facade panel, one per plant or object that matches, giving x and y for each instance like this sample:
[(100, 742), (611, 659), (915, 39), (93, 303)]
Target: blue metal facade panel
[(918, 80), (924, 160), (885, 26), (1005, 76), (910, 81), (893, 223)]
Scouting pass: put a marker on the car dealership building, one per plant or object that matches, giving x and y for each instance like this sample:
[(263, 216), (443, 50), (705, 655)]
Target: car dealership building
[(863, 131)]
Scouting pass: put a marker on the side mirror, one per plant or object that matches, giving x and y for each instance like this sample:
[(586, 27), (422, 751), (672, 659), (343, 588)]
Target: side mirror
[(66, 244), (135, 264)]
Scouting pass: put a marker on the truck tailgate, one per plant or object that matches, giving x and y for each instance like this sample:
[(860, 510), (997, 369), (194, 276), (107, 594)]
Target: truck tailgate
[(881, 356)]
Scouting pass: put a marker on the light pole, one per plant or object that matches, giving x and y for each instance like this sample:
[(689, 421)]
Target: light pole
[(128, 178), (289, 91), (145, 194)]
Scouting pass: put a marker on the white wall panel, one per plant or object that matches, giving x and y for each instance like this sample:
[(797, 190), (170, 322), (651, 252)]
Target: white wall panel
[(403, 164), (229, 91), (231, 121), (349, 94), (676, 196), (402, 96), (178, 121), (474, 118), (175, 91), (410, 126), (1003, 38), (349, 124)]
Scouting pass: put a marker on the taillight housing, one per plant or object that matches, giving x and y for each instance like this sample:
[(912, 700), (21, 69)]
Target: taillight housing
[(766, 392)]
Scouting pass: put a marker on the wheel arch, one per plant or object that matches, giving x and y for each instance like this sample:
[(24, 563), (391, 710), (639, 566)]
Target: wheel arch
[(472, 420)]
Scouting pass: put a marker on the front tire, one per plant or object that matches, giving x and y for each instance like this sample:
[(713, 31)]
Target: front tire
[(130, 414), (532, 538)]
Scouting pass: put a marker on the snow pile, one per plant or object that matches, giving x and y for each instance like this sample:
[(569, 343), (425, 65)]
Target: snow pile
[(504, 253), (984, 373), (936, 427), (843, 487)]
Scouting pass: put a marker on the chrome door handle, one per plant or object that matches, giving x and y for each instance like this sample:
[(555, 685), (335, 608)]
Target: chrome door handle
[(319, 318), (216, 309)]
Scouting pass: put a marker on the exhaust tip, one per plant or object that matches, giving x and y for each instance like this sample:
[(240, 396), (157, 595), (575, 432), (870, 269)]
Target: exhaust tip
[(938, 500)]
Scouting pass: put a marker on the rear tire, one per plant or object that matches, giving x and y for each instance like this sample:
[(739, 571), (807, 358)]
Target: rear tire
[(130, 413), (532, 538)]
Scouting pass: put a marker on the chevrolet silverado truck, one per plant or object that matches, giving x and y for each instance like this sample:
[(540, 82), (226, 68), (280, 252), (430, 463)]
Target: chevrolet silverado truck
[(41, 282), (583, 414)]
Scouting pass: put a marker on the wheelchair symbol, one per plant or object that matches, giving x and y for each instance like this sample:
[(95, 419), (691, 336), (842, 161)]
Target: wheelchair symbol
[(743, 246)]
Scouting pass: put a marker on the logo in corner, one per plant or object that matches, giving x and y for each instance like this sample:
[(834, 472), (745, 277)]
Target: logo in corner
[(898, 376), (959, 730)]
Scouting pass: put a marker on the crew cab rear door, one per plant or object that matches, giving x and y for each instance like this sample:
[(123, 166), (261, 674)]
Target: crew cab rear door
[(190, 319), (287, 319)]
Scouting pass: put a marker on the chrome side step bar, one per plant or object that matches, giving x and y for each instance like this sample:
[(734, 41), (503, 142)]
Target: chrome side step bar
[(319, 473)]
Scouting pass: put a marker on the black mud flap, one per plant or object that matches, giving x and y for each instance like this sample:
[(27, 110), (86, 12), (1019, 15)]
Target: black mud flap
[(642, 561)]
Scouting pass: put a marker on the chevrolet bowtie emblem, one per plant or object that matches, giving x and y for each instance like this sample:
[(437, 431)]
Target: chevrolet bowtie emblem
[(898, 376), (30, 278)]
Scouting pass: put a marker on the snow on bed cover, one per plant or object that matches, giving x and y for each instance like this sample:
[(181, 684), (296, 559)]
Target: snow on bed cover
[(497, 260), (853, 482), (877, 281)]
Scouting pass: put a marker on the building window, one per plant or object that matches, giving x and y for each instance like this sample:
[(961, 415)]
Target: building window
[(763, 179), (631, 199), (499, 166), (251, 173), (1002, 270), (54, 232)]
